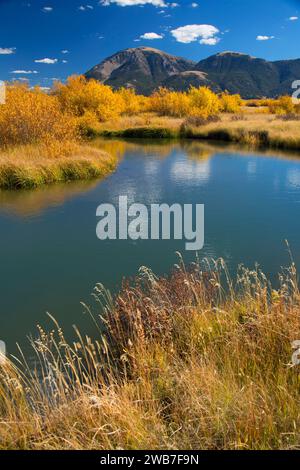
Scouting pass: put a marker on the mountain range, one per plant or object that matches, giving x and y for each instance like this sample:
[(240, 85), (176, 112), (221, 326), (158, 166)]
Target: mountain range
[(145, 69)]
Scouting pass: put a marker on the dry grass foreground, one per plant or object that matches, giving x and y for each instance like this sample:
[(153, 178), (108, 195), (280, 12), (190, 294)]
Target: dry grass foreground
[(193, 361)]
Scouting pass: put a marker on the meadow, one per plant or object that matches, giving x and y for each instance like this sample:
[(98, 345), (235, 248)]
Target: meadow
[(192, 361), (46, 137)]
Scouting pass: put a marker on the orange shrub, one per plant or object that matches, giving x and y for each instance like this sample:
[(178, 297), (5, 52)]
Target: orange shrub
[(170, 103), (32, 116), (281, 106), (131, 102), (230, 103), (80, 95), (159, 102), (203, 102)]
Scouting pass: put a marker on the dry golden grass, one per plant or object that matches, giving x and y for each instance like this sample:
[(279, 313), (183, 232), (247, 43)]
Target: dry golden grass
[(193, 361), (140, 120), (30, 166), (256, 129)]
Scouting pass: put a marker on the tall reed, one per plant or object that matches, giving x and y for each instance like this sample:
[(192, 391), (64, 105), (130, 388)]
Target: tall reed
[(192, 361)]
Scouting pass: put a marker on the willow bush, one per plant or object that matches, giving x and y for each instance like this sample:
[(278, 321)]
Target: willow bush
[(31, 116)]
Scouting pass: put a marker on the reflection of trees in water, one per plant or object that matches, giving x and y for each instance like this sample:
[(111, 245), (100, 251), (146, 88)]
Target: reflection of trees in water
[(33, 202), (196, 150), (117, 148), (160, 148)]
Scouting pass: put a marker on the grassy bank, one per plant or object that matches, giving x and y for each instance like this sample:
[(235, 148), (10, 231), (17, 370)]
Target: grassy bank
[(44, 136), (27, 167), (41, 143), (252, 129), (179, 365), (262, 131)]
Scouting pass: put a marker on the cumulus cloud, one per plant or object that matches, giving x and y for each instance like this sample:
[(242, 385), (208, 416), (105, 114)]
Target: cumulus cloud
[(131, 3), (293, 18), (193, 32), (151, 36), (210, 41), (46, 61), (7, 50), (47, 9), (264, 38)]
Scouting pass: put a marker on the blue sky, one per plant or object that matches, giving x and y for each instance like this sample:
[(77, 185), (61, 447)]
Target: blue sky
[(53, 39)]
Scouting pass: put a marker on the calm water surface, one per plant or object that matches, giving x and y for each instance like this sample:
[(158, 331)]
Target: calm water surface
[(50, 258)]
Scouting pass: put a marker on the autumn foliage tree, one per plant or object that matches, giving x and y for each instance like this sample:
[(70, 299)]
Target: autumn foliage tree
[(200, 102), (131, 102), (169, 103), (230, 103), (203, 102), (283, 105), (31, 116), (80, 96)]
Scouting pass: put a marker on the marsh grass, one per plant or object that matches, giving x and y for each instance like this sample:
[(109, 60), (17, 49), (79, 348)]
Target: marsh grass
[(192, 361), (142, 132), (256, 130), (27, 167)]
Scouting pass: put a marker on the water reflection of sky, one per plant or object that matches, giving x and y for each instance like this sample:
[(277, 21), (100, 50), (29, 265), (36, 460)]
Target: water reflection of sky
[(51, 258), (293, 178)]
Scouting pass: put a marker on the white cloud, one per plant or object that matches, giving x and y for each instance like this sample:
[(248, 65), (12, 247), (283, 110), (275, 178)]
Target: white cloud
[(24, 72), (85, 7), (131, 3), (46, 61), (194, 5), (264, 38), (21, 79), (293, 18), (47, 9), (151, 36), (210, 41), (193, 32), (65, 51), (7, 50)]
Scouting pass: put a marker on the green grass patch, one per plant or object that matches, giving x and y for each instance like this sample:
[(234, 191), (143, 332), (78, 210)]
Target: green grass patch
[(142, 133)]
